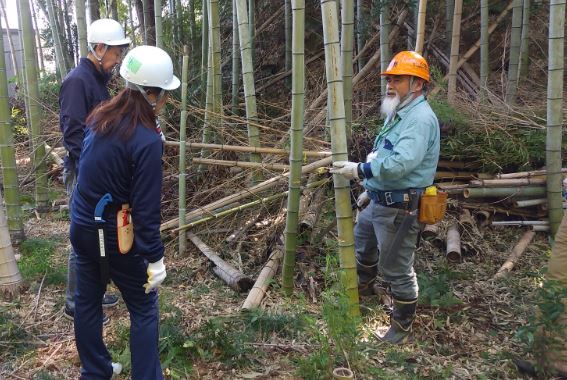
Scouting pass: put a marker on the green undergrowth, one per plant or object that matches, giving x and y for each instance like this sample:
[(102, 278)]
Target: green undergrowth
[(38, 261), (15, 340)]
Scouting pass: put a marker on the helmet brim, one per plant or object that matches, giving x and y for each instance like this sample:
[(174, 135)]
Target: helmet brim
[(124, 41), (173, 84)]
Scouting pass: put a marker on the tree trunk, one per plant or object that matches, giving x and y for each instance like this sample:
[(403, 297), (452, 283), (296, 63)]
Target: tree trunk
[(68, 44), (140, 13), (455, 42), (81, 27), (183, 153), (246, 52), (525, 41), (131, 22), (94, 10), (385, 52), (295, 154), (113, 9), (33, 106), (449, 11), (158, 25), (59, 54), (149, 21), (192, 39), (484, 54), (347, 42), (420, 31), (514, 58), (555, 120), (235, 60), (361, 30), (8, 156), (339, 148), (252, 27)]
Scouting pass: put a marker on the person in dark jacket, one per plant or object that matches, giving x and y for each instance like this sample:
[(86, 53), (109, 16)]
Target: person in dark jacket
[(120, 178), (83, 89)]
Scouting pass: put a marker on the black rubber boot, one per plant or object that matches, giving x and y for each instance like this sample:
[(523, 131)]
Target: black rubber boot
[(401, 322), (367, 273)]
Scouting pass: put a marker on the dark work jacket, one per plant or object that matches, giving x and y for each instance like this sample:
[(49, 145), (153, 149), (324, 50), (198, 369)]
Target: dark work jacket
[(131, 171), (82, 90)]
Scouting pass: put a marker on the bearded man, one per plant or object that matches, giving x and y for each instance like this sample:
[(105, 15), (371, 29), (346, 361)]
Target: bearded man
[(401, 165)]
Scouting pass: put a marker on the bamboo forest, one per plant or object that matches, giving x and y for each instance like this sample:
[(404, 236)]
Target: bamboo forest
[(292, 189)]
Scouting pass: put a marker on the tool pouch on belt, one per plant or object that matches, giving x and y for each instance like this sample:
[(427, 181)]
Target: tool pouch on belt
[(432, 206), (125, 229)]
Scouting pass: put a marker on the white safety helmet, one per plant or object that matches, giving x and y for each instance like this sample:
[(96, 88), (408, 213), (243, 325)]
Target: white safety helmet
[(107, 31), (149, 66)]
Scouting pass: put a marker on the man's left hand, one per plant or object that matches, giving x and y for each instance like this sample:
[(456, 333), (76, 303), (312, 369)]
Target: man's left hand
[(347, 169)]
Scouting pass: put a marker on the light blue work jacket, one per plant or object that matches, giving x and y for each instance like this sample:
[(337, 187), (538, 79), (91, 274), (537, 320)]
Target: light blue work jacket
[(406, 150)]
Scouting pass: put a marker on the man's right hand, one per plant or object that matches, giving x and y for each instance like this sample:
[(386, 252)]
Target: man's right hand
[(363, 200)]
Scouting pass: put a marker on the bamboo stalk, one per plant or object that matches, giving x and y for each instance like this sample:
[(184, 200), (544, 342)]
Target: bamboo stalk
[(506, 211), (521, 223), (453, 252), (482, 217), (204, 210), (540, 228), (240, 164), (448, 175), (420, 26), (430, 231), (10, 278), (455, 44), (466, 219), (532, 173), (506, 182), (236, 235), (264, 279), (182, 242), (515, 255), (501, 192), (246, 149), (226, 272)]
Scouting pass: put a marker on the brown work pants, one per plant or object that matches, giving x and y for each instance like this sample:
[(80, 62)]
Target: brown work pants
[(557, 271)]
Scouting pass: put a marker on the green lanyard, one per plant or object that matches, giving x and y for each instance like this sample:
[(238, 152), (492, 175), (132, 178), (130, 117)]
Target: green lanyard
[(388, 127)]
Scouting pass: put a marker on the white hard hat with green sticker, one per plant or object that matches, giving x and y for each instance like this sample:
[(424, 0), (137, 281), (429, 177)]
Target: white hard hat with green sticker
[(149, 66)]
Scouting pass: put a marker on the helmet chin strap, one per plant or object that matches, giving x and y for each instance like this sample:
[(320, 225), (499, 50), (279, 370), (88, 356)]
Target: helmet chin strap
[(99, 59), (136, 87), (409, 96)]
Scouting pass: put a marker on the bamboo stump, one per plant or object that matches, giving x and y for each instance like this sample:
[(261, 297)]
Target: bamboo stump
[(453, 252)]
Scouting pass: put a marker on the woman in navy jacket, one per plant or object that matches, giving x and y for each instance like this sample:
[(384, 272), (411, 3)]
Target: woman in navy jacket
[(121, 173)]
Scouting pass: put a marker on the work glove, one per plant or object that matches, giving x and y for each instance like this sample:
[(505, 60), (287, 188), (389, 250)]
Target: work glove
[(347, 169), (156, 275), (363, 200)]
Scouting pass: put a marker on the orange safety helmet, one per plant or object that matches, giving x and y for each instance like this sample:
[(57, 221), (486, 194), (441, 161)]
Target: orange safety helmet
[(408, 63)]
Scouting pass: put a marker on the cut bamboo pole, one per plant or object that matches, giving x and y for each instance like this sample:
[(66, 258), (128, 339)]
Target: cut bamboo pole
[(540, 228), (430, 231), (422, 9), (449, 175), (264, 279), (240, 164), (501, 210), (206, 210), (506, 182), (236, 235), (521, 223), (532, 173), (232, 277), (502, 192), (515, 255), (531, 202), (466, 219), (482, 217), (453, 252), (246, 149), (182, 204)]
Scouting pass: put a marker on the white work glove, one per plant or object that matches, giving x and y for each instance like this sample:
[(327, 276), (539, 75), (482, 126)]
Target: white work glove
[(156, 275), (347, 169), (363, 200)]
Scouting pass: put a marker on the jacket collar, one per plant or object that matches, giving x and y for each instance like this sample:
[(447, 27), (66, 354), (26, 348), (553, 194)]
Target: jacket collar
[(404, 111), (91, 67)]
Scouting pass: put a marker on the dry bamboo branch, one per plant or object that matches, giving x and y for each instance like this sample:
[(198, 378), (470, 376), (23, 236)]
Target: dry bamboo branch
[(236, 235), (232, 277), (240, 164), (206, 210), (515, 255), (453, 243), (245, 149), (263, 281)]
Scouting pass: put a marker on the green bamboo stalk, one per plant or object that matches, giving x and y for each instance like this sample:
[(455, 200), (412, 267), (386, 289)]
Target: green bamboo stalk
[(147, 24), (33, 106), (158, 25), (11, 280), (252, 27), (235, 60), (209, 109), (59, 54), (361, 30), (8, 156), (449, 11), (525, 41), (246, 52), (204, 52), (215, 41), (339, 148), (555, 120), (347, 42), (193, 37), (296, 135), (484, 57), (287, 30), (37, 39), (502, 192), (82, 26), (68, 47), (455, 42), (114, 9), (514, 58), (131, 21), (385, 52), (183, 151), (17, 71), (420, 31)]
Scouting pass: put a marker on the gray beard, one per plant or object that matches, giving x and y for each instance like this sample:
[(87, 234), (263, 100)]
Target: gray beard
[(389, 105)]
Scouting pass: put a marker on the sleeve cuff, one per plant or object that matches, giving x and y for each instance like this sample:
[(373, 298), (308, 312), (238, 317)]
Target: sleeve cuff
[(366, 170)]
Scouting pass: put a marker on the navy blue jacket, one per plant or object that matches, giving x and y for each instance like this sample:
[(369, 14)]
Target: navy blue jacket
[(82, 90), (131, 171)]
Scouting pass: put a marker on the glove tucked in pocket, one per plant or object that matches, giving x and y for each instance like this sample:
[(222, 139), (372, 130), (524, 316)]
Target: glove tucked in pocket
[(125, 229)]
